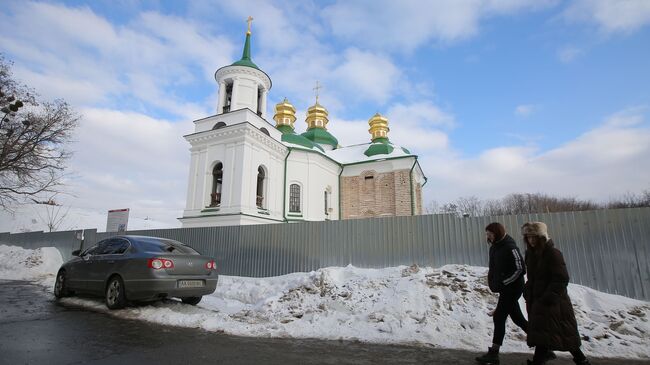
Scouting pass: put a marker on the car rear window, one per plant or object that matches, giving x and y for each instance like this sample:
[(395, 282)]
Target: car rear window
[(166, 247)]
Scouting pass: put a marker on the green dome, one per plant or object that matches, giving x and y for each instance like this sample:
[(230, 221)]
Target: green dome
[(380, 146), (321, 136)]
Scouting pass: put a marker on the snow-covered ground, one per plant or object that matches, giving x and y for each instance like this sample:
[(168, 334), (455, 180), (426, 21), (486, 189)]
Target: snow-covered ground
[(34, 217), (443, 307)]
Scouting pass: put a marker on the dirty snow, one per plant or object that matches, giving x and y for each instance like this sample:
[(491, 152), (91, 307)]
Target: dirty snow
[(442, 307)]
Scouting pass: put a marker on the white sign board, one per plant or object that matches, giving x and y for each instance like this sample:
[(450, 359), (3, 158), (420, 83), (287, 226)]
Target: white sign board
[(118, 220)]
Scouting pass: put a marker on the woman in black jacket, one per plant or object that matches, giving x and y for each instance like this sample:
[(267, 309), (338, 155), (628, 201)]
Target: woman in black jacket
[(552, 323)]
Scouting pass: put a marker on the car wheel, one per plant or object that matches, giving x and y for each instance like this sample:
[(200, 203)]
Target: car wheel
[(115, 293), (61, 285), (191, 300)]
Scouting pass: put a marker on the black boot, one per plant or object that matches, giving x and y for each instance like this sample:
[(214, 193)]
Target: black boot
[(550, 355), (491, 358)]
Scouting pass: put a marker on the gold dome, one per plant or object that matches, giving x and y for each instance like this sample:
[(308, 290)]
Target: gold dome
[(317, 116), (378, 126), (285, 114)]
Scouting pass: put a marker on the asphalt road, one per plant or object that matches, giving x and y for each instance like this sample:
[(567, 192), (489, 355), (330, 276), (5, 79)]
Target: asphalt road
[(34, 329)]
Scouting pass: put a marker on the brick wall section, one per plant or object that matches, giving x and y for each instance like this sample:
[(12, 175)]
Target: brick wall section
[(402, 193), (374, 194)]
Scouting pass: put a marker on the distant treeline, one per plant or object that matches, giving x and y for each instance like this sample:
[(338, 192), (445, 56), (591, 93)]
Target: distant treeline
[(533, 203)]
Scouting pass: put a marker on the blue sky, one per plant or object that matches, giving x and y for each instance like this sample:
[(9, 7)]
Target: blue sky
[(496, 96)]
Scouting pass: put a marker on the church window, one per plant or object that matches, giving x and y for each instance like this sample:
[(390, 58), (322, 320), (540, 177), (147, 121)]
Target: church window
[(326, 203), (265, 131), (217, 183), (219, 125), (261, 177), (228, 96), (294, 198), (259, 102)]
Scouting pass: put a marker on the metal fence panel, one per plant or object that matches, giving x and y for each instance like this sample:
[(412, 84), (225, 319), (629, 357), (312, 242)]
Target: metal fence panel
[(608, 250)]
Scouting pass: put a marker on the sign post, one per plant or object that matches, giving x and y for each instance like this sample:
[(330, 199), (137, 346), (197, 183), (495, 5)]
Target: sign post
[(118, 220)]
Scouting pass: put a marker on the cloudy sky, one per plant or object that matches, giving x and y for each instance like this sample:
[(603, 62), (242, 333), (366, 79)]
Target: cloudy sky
[(495, 96)]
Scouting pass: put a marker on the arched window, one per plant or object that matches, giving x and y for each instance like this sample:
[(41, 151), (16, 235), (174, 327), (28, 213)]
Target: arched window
[(294, 198), (217, 182), (228, 95), (265, 131), (261, 177), (219, 125)]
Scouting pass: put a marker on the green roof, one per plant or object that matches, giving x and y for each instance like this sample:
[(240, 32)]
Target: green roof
[(289, 136), (246, 55), (379, 146), (321, 136)]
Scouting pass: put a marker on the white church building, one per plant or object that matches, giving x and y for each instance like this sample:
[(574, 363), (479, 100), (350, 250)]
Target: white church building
[(246, 169)]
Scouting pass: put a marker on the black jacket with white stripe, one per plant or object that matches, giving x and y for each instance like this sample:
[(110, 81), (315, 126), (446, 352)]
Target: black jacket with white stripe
[(507, 267)]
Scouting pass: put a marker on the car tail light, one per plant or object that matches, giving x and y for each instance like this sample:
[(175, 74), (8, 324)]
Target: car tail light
[(211, 265), (157, 264)]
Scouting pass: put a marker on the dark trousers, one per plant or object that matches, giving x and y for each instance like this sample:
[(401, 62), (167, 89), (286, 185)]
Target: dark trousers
[(507, 306), (540, 354)]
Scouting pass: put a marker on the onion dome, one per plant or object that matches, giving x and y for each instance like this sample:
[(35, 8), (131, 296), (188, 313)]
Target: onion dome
[(379, 131), (285, 116), (317, 119)]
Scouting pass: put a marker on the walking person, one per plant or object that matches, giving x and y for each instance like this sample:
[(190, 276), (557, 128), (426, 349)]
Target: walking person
[(552, 324), (506, 277)]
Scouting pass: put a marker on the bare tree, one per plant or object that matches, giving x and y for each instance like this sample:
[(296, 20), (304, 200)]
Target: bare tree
[(470, 206), (432, 207), (55, 214), (33, 141)]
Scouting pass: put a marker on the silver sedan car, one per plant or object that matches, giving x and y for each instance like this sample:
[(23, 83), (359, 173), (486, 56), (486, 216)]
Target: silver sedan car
[(138, 268)]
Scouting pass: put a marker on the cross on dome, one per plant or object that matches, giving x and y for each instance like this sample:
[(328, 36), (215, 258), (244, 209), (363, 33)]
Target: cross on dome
[(249, 20), (317, 88)]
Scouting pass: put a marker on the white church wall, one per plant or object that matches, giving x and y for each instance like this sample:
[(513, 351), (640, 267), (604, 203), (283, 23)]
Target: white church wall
[(241, 149), (315, 174), (246, 89), (234, 118), (380, 166)]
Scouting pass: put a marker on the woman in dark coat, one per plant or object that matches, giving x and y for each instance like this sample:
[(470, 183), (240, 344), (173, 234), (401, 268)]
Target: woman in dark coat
[(551, 321)]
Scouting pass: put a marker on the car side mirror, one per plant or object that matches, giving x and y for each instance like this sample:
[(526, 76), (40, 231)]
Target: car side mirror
[(76, 252)]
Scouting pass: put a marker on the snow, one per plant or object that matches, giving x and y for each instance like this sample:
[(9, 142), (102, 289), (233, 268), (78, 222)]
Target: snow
[(39, 265), (443, 307), (33, 217), (355, 153)]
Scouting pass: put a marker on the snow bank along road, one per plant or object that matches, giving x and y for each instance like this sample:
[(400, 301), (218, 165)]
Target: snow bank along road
[(442, 308)]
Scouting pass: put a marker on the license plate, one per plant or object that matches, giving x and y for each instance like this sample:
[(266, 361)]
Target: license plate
[(191, 284)]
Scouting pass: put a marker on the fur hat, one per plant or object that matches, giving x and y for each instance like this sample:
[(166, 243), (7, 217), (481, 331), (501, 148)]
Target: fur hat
[(535, 229), (498, 229)]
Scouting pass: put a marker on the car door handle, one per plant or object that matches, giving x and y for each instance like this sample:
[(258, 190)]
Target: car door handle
[(111, 261)]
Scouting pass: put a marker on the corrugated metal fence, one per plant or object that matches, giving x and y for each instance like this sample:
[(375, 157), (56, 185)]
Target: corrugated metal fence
[(66, 242), (608, 250)]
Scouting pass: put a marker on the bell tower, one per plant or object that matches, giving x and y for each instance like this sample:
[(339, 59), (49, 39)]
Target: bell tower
[(242, 84)]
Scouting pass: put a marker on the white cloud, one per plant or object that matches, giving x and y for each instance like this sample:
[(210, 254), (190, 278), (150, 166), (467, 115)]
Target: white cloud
[(569, 53), (623, 16), (405, 25), (420, 127), (129, 160), (72, 53), (606, 161), (368, 76), (525, 110)]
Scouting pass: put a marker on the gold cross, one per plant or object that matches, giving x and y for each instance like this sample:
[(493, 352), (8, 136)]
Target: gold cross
[(318, 87), (249, 20)]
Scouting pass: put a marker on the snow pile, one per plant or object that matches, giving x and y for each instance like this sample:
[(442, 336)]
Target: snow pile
[(38, 265), (445, 307)]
